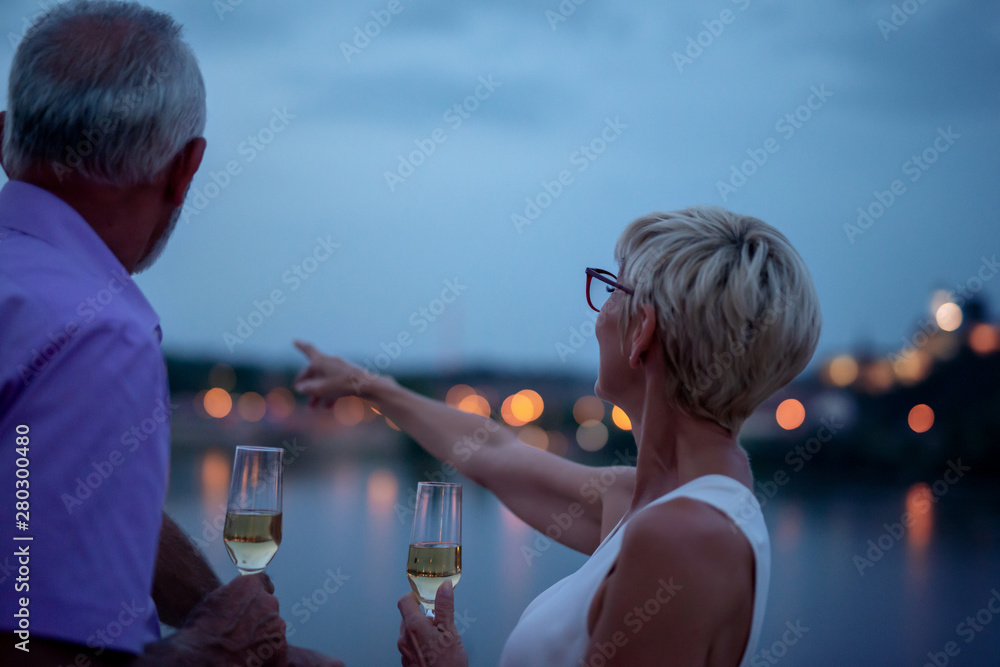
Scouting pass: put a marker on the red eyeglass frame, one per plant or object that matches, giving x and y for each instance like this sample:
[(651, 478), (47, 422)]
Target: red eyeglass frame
[(602, 275)]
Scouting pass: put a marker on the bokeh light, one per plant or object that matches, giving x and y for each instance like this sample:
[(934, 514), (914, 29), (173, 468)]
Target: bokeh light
[(921, 418), (842, 370), (537, 404), (621, 419), (349, 410), (984, 338), (521, 408), (588, 409), (912, 366), (252, 406), (218, 402), (280, 404), (474, 404), (592, 435), (457, 393), (878, 376), (507, 411), (948, 316), (534, 436), (790, 414)]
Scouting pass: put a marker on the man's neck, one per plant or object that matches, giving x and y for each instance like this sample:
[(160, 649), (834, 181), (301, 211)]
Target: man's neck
[(121, 217)]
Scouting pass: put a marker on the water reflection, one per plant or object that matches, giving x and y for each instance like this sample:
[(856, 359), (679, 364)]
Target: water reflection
[(920, 510), (215, 467)]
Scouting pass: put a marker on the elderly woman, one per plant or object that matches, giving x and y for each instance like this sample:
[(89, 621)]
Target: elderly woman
[(711, 313)]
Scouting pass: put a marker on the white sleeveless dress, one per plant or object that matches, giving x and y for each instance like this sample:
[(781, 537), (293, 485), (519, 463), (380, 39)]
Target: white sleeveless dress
[(552, 631)]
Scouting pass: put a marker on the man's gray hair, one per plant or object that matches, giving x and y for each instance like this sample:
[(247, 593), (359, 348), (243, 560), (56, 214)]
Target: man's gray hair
[(106, 89)]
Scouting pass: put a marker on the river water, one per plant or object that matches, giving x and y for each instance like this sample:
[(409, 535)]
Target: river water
[(851, 584)]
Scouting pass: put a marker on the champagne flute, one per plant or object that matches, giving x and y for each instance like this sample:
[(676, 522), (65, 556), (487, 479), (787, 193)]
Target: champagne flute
[(253, 516), (435, 554)]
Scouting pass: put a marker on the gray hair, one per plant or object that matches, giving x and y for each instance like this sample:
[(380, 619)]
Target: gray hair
[(736, 310), (108, 89)]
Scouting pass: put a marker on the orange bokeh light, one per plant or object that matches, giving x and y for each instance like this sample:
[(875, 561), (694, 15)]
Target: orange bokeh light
[(588, 409), (457, 394), (475, 404), (280, 403), (790, 414), (251, 406), (349, 410), (507, 410), (621, 419), (984, 338), (218, 402), (921, 418)]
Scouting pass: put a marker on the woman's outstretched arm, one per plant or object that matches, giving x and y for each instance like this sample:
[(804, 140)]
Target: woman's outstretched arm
[(566, 500)]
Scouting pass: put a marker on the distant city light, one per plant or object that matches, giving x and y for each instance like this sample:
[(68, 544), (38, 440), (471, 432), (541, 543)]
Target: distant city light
[(984, 338), (280, 404), (537, 404), (588, 409), (621, 419), (878, 376), (948, 316), (912, 367), (842, 370), (474, 404), (218, 402), (507, 411), (790, 414), (534, 436), (592, 436), (349, 410), (252, 406), (921, 418), (521, 408), (457, 393), (222, 376)]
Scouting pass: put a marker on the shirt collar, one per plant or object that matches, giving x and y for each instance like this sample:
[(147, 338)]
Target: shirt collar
[(36, 212)]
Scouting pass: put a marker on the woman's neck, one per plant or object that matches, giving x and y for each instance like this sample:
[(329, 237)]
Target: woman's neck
[(675, 448)]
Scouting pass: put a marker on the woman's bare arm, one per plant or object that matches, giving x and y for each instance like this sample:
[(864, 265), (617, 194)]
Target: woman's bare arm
[(553, 495)]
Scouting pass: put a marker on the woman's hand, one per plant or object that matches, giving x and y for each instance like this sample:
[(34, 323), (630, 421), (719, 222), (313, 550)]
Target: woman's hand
[(326, 379), (427, 641)]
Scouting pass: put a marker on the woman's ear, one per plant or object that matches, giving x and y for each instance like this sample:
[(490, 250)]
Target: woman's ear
[(643, 335)]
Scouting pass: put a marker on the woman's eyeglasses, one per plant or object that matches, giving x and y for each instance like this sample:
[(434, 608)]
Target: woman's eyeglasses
[(599, 292)]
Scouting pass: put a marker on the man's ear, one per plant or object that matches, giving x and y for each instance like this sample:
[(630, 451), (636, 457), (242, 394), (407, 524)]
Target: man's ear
[(183, 168), (643, 335)]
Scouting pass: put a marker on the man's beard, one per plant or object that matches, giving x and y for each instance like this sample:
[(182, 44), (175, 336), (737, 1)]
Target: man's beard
[(160, 244)]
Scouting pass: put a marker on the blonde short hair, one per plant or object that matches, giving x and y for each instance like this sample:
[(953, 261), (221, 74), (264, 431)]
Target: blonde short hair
[(736, 310)]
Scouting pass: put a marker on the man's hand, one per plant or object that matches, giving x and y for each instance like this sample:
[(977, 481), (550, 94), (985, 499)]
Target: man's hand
[(424, 641), (234, 623)]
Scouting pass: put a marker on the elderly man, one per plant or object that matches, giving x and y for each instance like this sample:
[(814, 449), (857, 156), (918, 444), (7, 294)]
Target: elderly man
[(101, 140)]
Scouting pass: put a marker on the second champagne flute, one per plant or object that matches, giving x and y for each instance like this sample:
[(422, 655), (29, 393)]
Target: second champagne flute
[(253, 518), (435, 553)]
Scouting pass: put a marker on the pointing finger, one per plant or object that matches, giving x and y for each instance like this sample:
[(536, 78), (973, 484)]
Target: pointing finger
[(308, 349)]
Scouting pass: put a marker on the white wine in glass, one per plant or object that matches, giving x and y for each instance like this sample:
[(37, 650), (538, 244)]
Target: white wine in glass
[(435, 553), (252, 533)]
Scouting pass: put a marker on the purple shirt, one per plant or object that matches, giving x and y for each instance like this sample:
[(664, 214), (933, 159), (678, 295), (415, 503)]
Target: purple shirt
[(81, 368)]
